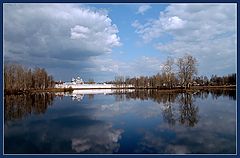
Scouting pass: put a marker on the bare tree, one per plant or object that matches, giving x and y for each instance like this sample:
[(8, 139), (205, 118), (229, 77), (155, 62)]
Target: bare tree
[(187, 68), (20, 78), (119, 81), (168, 73)]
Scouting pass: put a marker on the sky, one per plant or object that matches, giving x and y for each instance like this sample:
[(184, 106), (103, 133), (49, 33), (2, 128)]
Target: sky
[(101, 41)]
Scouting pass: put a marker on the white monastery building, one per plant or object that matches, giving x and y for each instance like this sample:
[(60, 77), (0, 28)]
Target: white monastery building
[(77, 83)]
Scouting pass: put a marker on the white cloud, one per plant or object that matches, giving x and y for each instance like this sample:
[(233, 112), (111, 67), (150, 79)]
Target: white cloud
[(148, 31), (136, 24), (63, 32), (173, 23), (155, 28), (207, 31), (143, 8), (78, 32)]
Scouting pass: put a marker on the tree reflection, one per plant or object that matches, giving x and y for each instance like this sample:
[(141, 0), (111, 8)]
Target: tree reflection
[(21, 106), (155, 95), (168, 111), (221, 92), (90, 97), (188, 111)]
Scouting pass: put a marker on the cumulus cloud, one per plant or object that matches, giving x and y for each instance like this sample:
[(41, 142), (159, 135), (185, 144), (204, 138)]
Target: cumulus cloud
[(56, 32), (79, 32), (207, 31), (143, 8), (155, 28)]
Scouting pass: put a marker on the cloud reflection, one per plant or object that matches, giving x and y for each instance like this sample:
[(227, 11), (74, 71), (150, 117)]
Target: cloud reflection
[(101, 140), (153, 122)]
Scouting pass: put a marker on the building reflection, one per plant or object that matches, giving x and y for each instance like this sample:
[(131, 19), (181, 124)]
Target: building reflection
[(74, 96)]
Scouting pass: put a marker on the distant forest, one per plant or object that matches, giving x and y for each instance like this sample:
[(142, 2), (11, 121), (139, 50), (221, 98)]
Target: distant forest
[(181, 72), (19, 78)]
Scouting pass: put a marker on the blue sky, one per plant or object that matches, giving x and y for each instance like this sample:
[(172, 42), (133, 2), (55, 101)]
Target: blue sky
[(100, 41)]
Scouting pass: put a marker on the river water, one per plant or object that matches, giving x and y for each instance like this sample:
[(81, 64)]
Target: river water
[(120, 122)]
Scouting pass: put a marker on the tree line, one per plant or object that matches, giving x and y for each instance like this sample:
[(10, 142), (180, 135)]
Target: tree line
[(181, 72), (19, 78)]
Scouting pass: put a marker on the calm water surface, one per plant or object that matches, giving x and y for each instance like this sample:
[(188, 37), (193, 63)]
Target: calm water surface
[(107, 121)]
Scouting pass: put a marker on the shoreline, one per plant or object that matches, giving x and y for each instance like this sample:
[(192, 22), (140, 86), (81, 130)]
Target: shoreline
[(176, 89)]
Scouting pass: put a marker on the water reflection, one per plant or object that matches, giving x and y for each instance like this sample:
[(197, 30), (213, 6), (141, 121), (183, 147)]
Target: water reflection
[(136, 121), (21, 106), (216, 93), (188, 111), (68, 134), (168, 112), (163, 97), (97, 139), (184, 102), (78, 95)]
